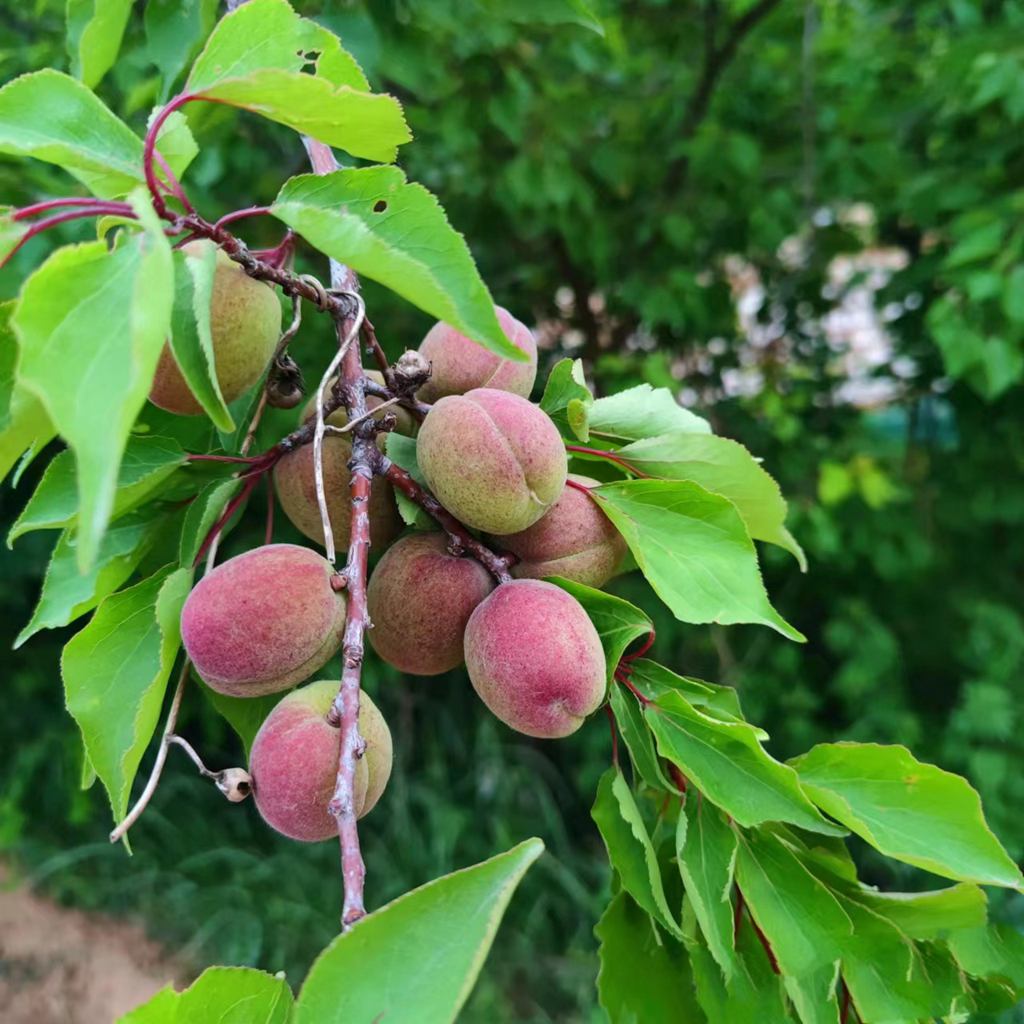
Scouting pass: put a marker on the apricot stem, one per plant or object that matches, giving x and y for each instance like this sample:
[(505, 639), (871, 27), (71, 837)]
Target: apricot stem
[(497, 564)]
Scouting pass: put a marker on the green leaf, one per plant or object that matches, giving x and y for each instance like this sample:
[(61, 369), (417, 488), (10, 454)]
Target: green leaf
[(630, 719), (203, 512), (694, 550), (653, 680), (68, 593), (401, 450), (814, 995), (640, 412), (995, 950), (91, 323), (723, 467), (1013, 294), (362, 123), (265, 34), (259, 58), (567, 399), (630, 849), (95, 30), (415, 961), (928, 915), (753, 995), (191, 334), (23, 420), (706, 851), (146, 464), (245, 715), (892, 978), (548, 12), (617, 622), (729, 765), (908, 810), (174, 30), (225, 995), (643, 977), (52, 117), (396, 233), (115, 673), (804, 923)]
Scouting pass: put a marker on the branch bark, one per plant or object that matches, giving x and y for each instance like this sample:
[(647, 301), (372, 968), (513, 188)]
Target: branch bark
[(344, 712), (717, 57), (460, 540)]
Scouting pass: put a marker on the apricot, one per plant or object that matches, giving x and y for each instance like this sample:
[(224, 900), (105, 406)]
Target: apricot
[(245, 322), (294, 762), (295, 482), (263, 621), (495, 461), (405, 422), (419, 599), (535, 659), (459, 365), (574, 539)]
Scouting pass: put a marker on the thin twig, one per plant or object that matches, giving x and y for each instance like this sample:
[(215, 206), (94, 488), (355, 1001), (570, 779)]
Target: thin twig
[(318, 433), (158, 765), (461, 538)]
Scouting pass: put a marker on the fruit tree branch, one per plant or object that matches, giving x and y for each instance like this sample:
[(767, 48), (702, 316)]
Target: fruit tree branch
[(460, 539), (344, 712)]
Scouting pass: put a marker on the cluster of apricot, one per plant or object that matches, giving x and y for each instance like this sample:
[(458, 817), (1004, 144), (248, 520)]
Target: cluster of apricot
[(270, 618)]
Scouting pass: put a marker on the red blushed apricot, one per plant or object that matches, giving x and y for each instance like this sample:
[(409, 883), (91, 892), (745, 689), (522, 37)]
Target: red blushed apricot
[(574, 539), (295, 483), (535, 658), (245, 322), (263, 621), (459, 365), (420, 598), (495, 461), (294, 762)]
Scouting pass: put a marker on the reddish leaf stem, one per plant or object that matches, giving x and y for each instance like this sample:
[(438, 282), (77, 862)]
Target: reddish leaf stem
[(644, 648), (55, 204), (149, 150), (615, 738), (602, 454), (39, 226), (249, 211)]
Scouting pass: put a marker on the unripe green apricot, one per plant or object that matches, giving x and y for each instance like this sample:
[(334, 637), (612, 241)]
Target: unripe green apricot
[(263, 620), (419, 599), (495, 461), (459, 365), (535, 658), (294, 762), (405, 422), (574, 539), (295, 483), (245, 322)]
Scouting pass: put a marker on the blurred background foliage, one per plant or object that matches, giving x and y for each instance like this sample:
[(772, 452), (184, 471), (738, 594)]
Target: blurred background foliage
[(805, 218)]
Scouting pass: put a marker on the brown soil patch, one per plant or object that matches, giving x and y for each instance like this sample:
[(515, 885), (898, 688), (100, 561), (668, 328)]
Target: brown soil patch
[(60, 966)]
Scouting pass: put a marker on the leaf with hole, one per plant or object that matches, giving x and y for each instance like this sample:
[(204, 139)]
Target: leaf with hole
[(396, 233)]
